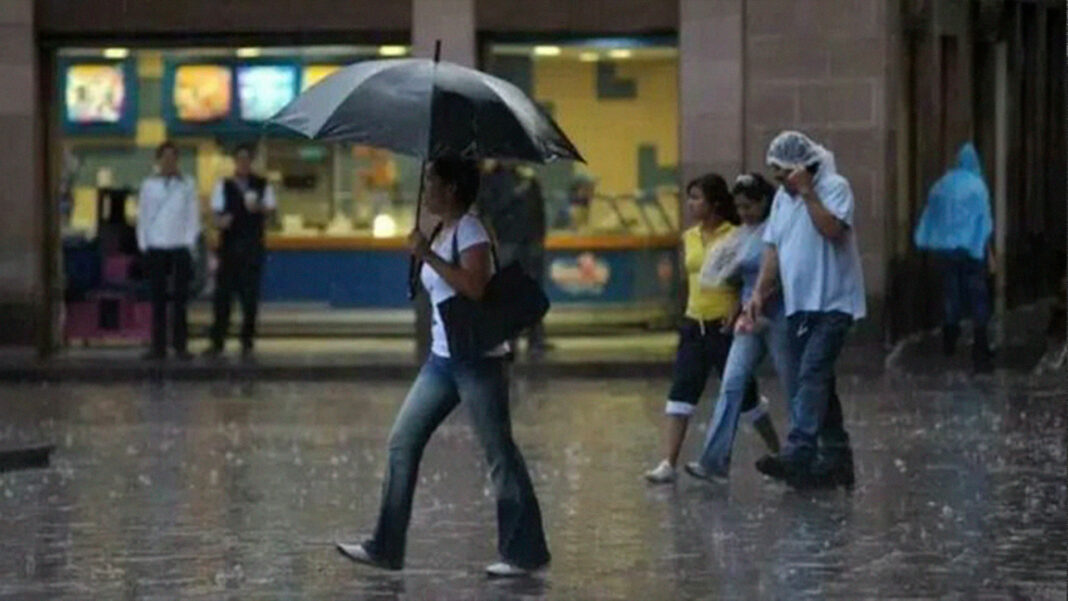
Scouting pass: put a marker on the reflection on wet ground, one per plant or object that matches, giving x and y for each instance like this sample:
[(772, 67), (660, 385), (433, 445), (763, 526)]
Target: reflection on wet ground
[(237, 491)]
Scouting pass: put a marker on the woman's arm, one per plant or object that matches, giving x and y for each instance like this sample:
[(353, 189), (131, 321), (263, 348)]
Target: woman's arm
[(469, 278)]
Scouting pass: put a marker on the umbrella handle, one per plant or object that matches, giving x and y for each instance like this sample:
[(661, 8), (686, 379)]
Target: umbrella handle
[(413, 264)]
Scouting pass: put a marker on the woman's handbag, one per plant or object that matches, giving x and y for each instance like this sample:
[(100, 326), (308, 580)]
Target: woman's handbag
[(513, 301)]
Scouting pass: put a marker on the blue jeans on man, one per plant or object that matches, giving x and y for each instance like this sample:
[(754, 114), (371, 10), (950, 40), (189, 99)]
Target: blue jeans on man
[(817, 427), (483, 387), (746, 353)]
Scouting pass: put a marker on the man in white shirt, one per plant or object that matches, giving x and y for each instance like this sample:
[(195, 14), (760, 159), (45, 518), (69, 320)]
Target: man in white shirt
[(812, 252), (168, 223), (242, 204)]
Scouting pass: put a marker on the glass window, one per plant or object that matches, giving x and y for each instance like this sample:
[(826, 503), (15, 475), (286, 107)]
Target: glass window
[(209, 100), (617, 99)]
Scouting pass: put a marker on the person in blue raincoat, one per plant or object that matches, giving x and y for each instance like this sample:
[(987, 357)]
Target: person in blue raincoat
[(956, 225)]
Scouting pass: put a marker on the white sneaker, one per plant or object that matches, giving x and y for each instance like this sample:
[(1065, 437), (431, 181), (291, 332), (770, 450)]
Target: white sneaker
[(357, 553), (503, 569), (662, 474)]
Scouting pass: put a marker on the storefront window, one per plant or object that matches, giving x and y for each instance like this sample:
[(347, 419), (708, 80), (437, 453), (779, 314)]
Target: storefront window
[(117, 105), (617, 99)]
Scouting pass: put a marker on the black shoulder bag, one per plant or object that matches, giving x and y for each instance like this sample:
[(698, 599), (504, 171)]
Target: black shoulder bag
[(513, 302)]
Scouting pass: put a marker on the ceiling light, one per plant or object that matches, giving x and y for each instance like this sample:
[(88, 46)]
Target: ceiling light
[(546, 51), (392, 50), (249, 52), (620, 53), (116, 53), (589, 57)]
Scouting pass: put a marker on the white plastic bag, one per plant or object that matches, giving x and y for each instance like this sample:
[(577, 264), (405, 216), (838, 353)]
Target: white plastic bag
[(723, 259)]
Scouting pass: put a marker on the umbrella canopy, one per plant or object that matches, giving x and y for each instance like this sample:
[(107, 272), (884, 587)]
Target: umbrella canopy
[(428, 110)]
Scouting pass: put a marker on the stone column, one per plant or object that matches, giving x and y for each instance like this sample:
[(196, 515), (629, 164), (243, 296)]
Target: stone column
[(452, 22), (711, 87), (21, 289)]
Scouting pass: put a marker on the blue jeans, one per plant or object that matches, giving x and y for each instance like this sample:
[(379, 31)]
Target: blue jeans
[(483, 386), (816, 340), (747, 351), (965, 287)]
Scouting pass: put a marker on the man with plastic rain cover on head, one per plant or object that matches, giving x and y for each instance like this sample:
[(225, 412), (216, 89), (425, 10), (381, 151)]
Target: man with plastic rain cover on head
[(812, 253)]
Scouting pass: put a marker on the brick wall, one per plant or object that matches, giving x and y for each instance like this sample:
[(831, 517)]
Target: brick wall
[(820, 66)]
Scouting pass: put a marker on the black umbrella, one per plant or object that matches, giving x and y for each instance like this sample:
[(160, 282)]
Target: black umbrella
[(428, 109)]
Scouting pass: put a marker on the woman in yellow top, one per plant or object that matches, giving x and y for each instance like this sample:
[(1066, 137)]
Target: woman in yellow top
[(704, 337)]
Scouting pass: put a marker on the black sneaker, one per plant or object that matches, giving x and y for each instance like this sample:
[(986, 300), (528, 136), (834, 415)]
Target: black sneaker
[(773, 466), (783, 468), (830, 470)]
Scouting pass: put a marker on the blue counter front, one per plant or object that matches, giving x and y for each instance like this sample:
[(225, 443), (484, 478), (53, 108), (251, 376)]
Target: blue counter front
[(371, 273)]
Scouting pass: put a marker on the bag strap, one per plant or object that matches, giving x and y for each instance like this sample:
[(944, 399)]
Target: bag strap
[(433, 235)]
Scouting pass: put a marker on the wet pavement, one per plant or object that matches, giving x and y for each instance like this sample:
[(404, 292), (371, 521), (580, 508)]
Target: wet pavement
[(237, 491)]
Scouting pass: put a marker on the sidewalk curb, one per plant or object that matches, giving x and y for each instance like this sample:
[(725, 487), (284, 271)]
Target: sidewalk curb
[(91, 372)]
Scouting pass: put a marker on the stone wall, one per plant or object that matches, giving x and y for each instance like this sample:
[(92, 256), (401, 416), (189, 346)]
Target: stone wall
[(821, 66), (21, 226)]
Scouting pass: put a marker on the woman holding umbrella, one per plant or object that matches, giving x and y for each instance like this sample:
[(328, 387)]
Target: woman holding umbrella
[(458, 260), (436, 111)]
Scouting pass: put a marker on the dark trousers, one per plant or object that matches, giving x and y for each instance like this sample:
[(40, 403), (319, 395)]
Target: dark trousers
[(703, 349), (965, 287), (239, 273), (169, 274)]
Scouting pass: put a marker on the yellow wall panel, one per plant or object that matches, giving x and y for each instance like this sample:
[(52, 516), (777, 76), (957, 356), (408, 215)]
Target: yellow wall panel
[(609, 131), (151, 132), (150, 64)]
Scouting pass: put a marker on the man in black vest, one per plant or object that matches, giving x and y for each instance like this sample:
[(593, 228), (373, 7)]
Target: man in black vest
[(242, 205)]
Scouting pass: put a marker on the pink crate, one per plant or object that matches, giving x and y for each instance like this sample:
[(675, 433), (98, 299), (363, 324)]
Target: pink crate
[(117, 268), (81, 320)]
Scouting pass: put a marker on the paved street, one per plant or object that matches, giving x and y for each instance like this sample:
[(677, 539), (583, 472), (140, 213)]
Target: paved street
[(237, 491)]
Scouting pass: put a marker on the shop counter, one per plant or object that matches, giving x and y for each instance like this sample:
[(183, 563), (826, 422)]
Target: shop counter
[(367, 272)]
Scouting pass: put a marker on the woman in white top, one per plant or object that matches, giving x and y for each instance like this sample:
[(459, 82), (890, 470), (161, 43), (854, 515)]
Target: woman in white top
[(443, 382)]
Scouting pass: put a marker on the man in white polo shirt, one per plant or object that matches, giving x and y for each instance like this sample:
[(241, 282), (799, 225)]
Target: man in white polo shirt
[(812, 252), (168, 223)]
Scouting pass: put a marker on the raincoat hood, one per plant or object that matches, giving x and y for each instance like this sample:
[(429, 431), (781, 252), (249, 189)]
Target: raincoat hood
[(968, 159), (957, 215)]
